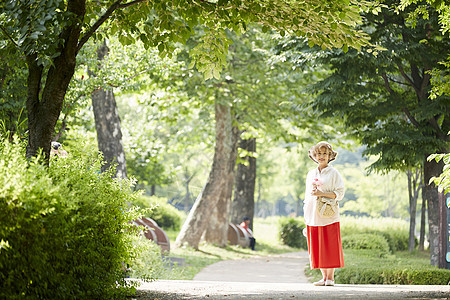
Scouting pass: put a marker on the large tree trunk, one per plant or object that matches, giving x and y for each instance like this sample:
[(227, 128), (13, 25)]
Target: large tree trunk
[(107, 124), (217, 229), (244, 192), (431, 194), (43, 111), (198, 217)]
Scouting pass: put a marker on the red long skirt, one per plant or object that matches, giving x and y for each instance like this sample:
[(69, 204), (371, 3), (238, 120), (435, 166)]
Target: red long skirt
[(325, 246)]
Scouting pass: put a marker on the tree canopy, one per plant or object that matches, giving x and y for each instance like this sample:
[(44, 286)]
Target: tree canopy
[(50, 34), (383, 100)]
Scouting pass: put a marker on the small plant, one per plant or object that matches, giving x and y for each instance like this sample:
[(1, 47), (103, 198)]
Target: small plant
[(291, 233)]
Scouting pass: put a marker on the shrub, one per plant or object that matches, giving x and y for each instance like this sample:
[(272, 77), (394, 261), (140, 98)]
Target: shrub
[(64, 229), (291, 233), (392, 275), (365, 267), (167, 216), (366, 241), (395, 231), (397, 240)]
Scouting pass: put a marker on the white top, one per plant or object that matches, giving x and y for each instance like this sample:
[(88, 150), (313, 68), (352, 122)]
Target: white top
[(331, 181)]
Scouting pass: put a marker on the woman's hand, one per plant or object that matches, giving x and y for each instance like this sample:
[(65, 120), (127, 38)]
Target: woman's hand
[(319, 193)]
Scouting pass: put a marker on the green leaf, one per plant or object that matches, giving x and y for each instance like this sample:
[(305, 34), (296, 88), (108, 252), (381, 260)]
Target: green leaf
[(345, 48)]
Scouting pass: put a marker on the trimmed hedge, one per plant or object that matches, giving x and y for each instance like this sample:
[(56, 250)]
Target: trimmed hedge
[(395, 231), (291, 233), (64, 231), (394, 275), (365, 263), (364, 266), (366, 241)]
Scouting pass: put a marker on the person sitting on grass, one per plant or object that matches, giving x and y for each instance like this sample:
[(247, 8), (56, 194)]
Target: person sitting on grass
[(244, 224)]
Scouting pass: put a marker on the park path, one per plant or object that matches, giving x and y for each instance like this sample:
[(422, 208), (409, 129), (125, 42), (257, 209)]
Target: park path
[(285, 268), (272, 278)]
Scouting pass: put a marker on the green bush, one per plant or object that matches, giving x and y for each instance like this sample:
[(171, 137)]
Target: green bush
[(392, 275), (366, 241), (167, 216), (64, 230), (291, 233), (397, 240), (365, 266), (395, 231)]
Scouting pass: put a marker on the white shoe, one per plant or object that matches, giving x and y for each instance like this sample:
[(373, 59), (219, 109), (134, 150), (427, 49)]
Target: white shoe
[(321, 282), (329, 283)]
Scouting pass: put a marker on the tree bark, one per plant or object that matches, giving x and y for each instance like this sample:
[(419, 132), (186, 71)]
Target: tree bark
[(442, 262), (430, 191), (414, 185), (187, 197), (422, 223), (108, 124), (198, 218), (243, 204), (217, 229), (43, 111)]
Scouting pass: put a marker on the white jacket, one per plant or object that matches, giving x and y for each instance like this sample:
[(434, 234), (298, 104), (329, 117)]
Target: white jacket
[(331, 181)]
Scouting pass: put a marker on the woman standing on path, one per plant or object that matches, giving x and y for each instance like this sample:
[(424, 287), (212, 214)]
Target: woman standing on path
[(324, 185)]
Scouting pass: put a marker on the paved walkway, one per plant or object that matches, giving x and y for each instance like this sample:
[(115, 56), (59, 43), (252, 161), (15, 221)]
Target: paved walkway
[(274, 277), (286, 268)]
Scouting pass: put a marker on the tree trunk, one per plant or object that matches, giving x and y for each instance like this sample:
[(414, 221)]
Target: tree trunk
[(412, 214), (431, 194), (422, 223), (187, 197), (244, 192), (442, 263), (414, 184), (153, 190), (298, 207), (107, 124), (217, 229), (198, 217), (43, 111)]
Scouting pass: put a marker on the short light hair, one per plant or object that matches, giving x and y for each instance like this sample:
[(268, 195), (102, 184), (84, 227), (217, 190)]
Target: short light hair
[(314, 149)]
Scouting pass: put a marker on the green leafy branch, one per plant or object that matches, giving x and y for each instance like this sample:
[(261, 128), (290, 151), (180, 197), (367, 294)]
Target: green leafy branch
[(443, 181)]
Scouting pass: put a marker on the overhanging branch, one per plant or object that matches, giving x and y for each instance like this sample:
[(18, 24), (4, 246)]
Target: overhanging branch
[(407, 78), (131, 3), (9, 37), (387, 85), (405, 110), (103, 18), (411, 117), (97, 24)]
